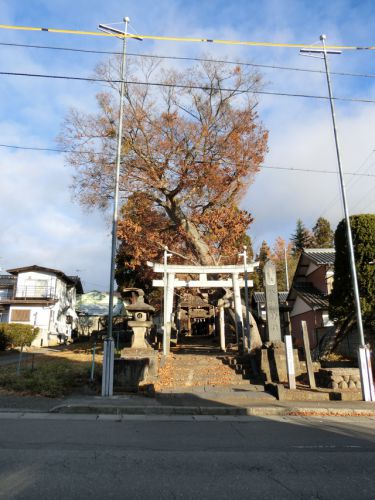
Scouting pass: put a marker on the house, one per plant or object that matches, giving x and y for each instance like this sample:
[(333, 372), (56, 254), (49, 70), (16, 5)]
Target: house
[(42, 297), (308, 296), (7, 285), (92, 310), (258, 308)]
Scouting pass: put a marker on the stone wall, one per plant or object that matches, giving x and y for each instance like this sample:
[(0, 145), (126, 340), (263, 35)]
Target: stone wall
[(339, 378)]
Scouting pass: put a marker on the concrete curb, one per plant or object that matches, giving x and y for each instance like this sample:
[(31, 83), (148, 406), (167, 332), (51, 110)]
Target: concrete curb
[(213, 410)]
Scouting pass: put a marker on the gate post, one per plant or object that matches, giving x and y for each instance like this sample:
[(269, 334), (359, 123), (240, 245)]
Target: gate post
[(238, 308)]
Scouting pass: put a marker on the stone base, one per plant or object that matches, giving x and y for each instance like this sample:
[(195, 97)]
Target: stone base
[(135, 367), (340, 378), (282, 393), (273, 363)]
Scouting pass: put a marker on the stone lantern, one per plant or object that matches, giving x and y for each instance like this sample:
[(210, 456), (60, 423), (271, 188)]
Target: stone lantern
[(138, 364), (140, 321)]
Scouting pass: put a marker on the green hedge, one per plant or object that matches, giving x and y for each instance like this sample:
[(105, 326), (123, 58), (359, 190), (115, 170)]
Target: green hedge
[(16, 335)]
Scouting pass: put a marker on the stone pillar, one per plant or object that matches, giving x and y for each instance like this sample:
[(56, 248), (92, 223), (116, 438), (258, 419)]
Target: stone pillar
[(273, 332), (169, 309), (237, 307), (222, 327), (309, 365)]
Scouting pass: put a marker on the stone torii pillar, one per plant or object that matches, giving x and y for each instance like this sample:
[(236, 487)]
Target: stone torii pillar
[(170, 282), (237, 307), (169, 309)]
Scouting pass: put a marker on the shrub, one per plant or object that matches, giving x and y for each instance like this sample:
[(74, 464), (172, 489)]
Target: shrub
[(16, 334)]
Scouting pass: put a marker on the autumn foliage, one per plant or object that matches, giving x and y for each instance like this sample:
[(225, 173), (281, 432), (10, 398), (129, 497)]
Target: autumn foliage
[(189, 153)]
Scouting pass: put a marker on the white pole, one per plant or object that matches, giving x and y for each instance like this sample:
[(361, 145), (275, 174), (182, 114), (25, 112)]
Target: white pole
[(345, 205), (247, 315), (165, 308), (108, 358), (357, 302), (222, 327)]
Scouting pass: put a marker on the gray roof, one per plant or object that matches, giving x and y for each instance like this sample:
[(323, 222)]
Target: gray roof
[(311, 295), (7, 280), (41, 269), (321, 255), (260, 297)]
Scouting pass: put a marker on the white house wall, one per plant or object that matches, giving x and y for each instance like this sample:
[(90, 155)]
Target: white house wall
[(52, 319), (312, 267), (27, 281), (299, 307)]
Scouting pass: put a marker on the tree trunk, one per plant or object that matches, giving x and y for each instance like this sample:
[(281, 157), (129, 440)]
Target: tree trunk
[(194, 239)]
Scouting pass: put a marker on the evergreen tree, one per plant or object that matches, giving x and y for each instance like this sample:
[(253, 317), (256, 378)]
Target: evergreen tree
[(342, 308), (302, 238), (280, 252), (263, 255), (323, 234)]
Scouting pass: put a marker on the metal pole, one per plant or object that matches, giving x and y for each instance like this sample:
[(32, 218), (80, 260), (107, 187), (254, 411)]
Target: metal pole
[(346, 211), (108, 361), (286, 270)]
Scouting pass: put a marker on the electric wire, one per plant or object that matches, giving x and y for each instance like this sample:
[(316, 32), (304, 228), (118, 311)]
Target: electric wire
[(195, 59), (270, 167), (190, 87), (350, 185), (185, 39)]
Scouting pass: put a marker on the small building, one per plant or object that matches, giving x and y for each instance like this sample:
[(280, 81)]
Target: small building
[(308, 296), (92, 310), (42, 297)]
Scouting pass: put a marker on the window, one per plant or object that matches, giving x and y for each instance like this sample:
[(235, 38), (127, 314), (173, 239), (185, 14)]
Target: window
[(20, 315)]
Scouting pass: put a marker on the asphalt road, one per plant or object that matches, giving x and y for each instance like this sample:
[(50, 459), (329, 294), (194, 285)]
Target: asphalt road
[(60, 456)]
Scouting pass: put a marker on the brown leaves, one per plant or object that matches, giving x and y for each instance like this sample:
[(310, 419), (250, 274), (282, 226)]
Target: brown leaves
[(188, 156)]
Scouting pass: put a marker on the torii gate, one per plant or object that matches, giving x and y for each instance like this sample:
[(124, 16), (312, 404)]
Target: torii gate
[(170, 282)]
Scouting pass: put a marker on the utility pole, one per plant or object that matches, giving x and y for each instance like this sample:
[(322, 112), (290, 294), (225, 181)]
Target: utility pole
[(108, 358), (366, 389)]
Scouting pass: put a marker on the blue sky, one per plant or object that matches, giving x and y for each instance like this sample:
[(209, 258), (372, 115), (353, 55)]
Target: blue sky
[(40, 221)]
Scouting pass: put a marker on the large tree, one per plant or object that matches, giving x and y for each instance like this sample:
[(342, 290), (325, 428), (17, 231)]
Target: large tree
[(342, 309), (191, 147), (322, 233)]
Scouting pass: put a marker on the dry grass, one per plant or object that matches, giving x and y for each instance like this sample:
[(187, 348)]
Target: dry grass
[(53, 373)]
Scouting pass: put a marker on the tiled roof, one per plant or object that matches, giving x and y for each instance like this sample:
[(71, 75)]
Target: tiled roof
[(194, 301), (321, 255), (6, 280), (311, 295), (259, 297)]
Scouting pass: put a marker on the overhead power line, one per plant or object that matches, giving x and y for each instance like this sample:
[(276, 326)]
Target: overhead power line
[(185, 39), (180, 86), (272, 167), (181, 58)]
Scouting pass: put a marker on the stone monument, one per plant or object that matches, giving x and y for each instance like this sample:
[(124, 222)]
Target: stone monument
[(272, 303), (138, 363)]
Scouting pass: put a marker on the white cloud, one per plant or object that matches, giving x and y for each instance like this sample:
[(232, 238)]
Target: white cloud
[(41, 224)]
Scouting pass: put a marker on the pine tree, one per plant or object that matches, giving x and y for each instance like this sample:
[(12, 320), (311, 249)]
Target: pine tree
[(301, 239), (342, 308), (323, 234)]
